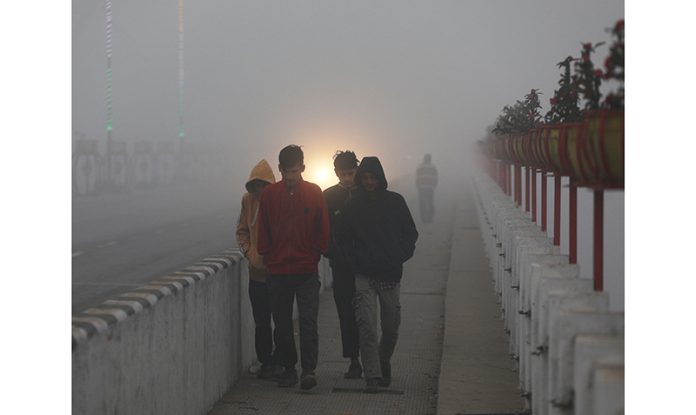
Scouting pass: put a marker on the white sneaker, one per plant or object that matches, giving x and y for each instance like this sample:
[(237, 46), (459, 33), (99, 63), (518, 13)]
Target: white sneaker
[(254, 368)]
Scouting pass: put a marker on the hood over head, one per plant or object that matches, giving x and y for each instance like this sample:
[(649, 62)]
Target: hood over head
[(262, 171), (371, 164)]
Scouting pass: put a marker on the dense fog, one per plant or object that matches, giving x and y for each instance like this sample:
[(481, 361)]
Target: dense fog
[(196, 93), (390, 78)]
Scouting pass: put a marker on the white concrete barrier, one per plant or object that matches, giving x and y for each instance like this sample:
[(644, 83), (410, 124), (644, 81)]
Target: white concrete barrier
[(565, 327), (525, 316), (539, 291), (609, 390), (591, 353), (172, 346), (548, 281), (524, 244)]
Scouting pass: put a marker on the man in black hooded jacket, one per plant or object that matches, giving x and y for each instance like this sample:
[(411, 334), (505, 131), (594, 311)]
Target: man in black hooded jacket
[(345, 167), (379, 235)]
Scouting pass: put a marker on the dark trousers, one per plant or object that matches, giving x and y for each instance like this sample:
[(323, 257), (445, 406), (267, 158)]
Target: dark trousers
[(283, 290), (427, 205), (261, 309), (344, 293)]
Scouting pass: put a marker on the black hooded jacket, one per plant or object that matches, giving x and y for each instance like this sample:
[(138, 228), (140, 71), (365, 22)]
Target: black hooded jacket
[(378, 232), (336, 197)]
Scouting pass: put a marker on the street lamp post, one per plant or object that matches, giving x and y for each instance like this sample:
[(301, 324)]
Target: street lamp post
[(109, 120)]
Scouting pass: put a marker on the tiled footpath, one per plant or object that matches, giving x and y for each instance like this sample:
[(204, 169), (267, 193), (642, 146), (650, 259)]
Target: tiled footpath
[(477, 376)]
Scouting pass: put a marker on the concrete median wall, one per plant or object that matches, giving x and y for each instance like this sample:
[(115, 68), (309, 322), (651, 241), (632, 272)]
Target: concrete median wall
[(173, 346), (563, 336)]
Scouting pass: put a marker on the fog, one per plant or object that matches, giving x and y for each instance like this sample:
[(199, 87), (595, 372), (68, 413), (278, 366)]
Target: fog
[(237, 81), (389, 78)]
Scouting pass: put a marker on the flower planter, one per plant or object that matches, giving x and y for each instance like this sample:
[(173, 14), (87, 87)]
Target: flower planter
[(605, 146), (516, 149), (563, 151), (551, 148), (527, 153), (503, 149), (536, 149), (542, 148), (510, 149), (577, 160), (495, 149)]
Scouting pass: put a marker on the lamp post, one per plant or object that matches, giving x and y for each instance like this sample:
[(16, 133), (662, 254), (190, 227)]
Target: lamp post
[(109, 120), (181, 70)]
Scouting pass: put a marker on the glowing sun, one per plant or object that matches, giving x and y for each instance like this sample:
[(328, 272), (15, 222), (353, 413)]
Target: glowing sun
[(322, 176)]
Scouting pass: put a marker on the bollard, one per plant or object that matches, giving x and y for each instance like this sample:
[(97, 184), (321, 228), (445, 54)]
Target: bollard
[(508, 284), (164, 158), (503, 222), (116, 179), (543, 279), (86, 162), (574, 300), (524, 243), (592, 351), (609, 387), (525, 315), (563, 330), (143, 164)]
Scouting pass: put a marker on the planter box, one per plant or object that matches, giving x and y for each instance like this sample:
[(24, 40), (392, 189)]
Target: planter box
[(604, 132)]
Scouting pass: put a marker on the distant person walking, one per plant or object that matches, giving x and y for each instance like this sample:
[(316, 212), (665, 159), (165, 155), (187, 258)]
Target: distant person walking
[(261, 175), (293, 233), (345, 167), (378, 237), (426, 182)]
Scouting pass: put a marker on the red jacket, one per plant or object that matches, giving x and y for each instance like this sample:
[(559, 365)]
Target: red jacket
[(293, 229)]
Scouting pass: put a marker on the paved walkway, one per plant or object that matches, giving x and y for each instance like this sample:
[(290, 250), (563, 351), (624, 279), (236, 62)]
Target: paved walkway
[(476, 373)]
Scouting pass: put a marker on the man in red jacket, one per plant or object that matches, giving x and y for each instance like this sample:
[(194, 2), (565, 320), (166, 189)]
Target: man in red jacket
[(293, 232)]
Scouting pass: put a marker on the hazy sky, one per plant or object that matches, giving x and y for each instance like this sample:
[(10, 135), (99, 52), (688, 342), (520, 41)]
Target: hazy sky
[(391, 78)]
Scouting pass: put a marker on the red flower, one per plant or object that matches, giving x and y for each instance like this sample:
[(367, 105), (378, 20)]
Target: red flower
[(598, 73), (619, 25), (553, 101)]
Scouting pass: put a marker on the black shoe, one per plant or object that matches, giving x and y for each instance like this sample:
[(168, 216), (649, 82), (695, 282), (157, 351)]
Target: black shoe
[(277, 372), (354, 370), (266, 371), (385, 380), (308, 380), (288, 379), (372, 386)]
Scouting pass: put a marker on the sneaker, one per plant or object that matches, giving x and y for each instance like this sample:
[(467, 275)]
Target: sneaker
[(288, 379), (354, 370), (254, 368), (308, 380), (372, 386), (385, 380), (266, 372)]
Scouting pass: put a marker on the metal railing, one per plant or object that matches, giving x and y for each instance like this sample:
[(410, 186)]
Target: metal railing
[(589, 153)]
